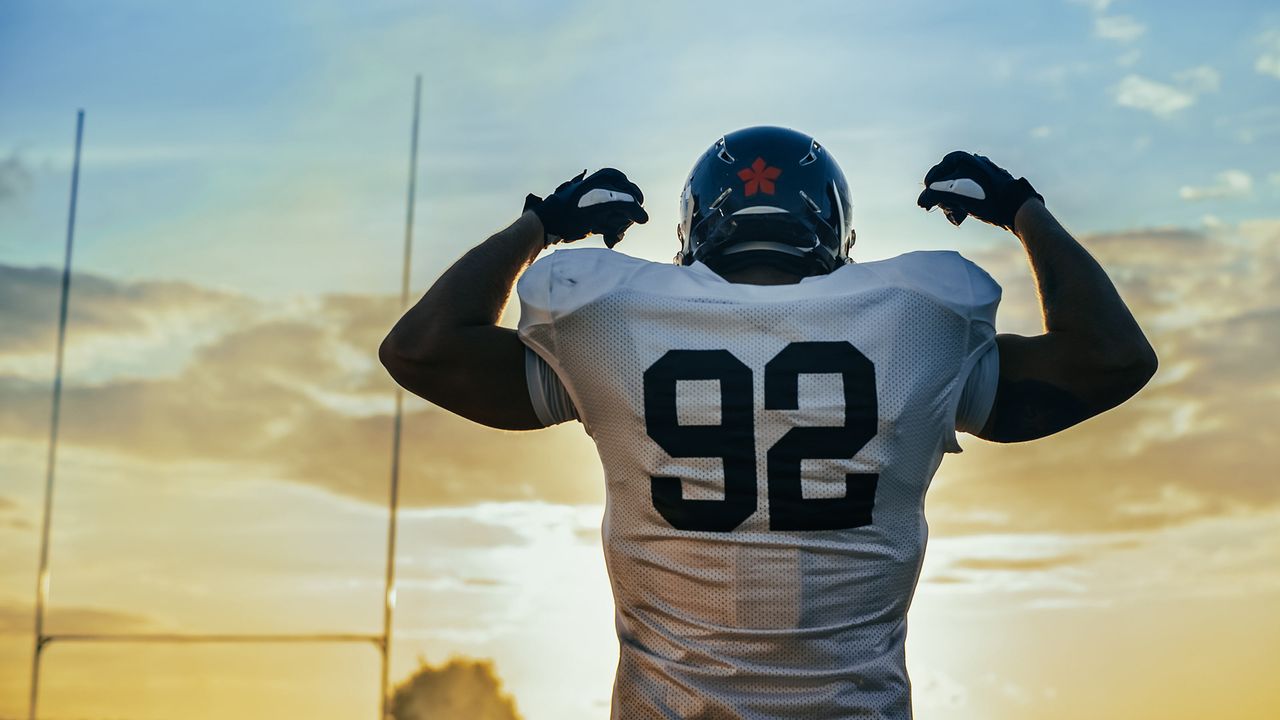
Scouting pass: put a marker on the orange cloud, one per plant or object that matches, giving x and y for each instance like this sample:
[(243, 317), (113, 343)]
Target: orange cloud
[(1199, 441), (10, 515), (1017, 564), (297, 394), (16, 619), (29, 298)]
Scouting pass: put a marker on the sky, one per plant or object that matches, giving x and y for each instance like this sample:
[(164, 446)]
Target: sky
[(226, 426)]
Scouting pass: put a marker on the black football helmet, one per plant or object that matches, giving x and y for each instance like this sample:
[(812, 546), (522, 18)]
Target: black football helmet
[(768, 194)]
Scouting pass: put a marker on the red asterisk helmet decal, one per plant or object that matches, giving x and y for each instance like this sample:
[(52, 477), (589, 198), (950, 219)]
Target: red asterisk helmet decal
[(759, 177)]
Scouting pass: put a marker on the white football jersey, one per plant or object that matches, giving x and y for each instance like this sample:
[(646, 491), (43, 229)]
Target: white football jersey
[(766, 451)]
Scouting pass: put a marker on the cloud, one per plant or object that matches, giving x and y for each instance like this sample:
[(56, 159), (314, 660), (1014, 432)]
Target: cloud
[(29, 299), (1019, 561), (243, 415), (297, 395), (460, 532), (1016, 692), (16, 619), (10, 516), (1164, 100), (458, 689), (1130, 58), (1199, 79), (935, 689), (1158, 98), (1098, 6), (292, 393), (15, 178), (1199, 441), (1268, 63), (1016, 564), (1121, 28), (1230, 183)]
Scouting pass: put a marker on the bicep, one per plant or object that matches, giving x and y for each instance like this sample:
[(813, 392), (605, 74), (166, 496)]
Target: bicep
[(1040, 390), (478, 374)]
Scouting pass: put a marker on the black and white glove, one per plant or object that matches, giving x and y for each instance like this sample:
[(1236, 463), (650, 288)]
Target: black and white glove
[(965, 184), (606, 203)]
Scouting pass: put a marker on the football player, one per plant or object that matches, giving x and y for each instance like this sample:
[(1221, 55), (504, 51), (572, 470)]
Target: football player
[(768, 413)]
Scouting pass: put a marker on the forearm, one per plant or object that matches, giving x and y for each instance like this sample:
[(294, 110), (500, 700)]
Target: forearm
[(1078, 301), (471, 293)]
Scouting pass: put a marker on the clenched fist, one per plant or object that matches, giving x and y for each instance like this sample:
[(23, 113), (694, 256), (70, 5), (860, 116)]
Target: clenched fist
[(604, 203), (965, 184)]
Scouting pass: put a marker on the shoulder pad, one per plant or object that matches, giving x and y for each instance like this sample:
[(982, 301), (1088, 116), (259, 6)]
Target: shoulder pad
[(566, 280), (948, 277)]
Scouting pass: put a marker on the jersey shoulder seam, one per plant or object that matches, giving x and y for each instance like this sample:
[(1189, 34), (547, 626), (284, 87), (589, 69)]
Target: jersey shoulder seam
[(933, 299)]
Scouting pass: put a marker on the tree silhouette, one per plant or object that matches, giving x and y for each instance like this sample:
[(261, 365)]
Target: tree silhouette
[(461, 688)]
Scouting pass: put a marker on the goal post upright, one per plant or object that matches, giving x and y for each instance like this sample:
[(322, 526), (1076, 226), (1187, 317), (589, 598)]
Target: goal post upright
[(389, 589), (42, 572), (382, 642)]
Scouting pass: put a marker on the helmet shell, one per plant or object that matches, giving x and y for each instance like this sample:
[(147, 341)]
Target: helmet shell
[(771, 191)]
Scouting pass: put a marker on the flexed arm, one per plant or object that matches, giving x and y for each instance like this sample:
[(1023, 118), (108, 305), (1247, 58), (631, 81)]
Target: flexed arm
[(1092, 355), (449, 348)]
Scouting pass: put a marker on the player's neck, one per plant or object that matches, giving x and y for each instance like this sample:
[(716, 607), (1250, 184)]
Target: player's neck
[(761, 275)]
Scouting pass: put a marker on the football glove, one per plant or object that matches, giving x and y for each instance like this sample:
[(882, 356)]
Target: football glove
[(965, 184), (605, 203)]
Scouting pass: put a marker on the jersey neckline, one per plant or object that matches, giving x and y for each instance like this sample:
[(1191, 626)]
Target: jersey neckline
[(704, 270)]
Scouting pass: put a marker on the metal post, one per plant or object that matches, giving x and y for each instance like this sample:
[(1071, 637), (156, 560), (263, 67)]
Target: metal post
[(42, 577), (389, 597), (211, 638), (382, 642)]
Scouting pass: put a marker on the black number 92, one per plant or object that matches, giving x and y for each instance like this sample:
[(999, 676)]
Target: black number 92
[(733, 440)]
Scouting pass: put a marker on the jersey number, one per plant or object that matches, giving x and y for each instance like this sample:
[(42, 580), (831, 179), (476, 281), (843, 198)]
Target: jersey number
[(733, 440)]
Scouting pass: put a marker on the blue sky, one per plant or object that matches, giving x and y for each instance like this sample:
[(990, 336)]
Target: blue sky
[(263, 147)]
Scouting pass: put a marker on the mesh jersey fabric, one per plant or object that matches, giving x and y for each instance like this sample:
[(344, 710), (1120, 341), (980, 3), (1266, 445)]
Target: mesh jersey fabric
[(552, 404), (550, 401), (727, 605)]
